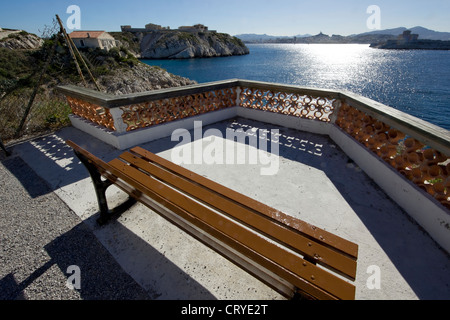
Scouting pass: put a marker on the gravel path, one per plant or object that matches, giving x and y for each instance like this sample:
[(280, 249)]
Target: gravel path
[(40, 237)]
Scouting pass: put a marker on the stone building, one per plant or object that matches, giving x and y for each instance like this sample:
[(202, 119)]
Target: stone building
[(150, 27), (407, 36), (195, 28), (156, 27), (93, 39)]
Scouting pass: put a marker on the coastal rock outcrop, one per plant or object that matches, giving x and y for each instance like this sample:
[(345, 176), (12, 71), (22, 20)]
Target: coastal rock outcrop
[(21, 40), (413, 45), (185, 45), (410, 41), (140, 78), (117, 71)]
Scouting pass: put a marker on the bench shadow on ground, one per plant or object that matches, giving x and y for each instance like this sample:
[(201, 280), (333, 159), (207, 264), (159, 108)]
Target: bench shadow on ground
[(101, 276), (51, 155)]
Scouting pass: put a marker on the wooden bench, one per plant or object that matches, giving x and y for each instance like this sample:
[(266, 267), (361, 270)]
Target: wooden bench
[(293, 257)]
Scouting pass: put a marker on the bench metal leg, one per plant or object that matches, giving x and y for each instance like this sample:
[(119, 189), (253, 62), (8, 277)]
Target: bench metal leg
[(100, 189), (4, 148), (301, 296)]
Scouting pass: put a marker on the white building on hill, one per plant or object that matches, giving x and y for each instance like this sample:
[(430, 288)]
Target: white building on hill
[(93, 39)]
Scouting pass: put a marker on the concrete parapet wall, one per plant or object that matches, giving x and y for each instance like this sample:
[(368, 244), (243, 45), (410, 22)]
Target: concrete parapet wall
[(342, 116), (423, 208)]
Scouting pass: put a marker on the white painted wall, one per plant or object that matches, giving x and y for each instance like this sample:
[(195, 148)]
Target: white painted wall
[(126, 140), (425, 210)]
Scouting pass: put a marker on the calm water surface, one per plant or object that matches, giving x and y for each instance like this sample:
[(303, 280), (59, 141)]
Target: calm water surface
[(414, 81)]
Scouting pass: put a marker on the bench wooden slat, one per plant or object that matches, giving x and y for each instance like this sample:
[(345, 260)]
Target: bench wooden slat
[(133, 186), (286, 259), (279, 267), (277, 231), (226, 246), (318, 234), (253, 256)]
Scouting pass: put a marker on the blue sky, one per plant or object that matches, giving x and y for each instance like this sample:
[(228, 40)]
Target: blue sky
[(280, 17)]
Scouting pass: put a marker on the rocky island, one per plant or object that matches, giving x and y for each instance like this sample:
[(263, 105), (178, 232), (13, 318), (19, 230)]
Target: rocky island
[(156, 42), (409, 41)]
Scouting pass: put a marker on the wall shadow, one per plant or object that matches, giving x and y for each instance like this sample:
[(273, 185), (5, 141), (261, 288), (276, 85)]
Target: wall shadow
[(54, 161), (26, 176), (420, 261)]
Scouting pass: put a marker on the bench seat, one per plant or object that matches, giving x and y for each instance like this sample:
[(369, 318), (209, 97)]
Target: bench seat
[(293, 257)]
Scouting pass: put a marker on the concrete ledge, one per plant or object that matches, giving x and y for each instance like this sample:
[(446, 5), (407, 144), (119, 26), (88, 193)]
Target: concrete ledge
[(428, 133), (424, 209), (287, 121), (99, 132), (126, 140), (421, 206)]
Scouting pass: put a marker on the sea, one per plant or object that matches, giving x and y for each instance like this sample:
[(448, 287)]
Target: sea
[(416, 82)]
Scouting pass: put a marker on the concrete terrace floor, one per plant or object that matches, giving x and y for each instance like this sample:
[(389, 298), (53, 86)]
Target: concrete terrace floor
[(315, 182)]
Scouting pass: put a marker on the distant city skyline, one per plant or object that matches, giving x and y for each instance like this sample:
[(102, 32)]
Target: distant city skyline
[(278, 18)]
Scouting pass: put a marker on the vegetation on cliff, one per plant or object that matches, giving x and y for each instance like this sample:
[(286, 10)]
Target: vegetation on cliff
[(18, 68), (24, 71)]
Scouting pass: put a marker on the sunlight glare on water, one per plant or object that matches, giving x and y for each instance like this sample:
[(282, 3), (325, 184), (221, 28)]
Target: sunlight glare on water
[(338, 65), (414, 81)]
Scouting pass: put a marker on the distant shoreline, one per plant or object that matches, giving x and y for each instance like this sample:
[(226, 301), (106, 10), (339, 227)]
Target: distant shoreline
[(414, 45), (376, 36)]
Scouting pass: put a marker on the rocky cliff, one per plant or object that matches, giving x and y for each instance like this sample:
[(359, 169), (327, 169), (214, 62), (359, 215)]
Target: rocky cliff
[(19, 40), (116, 71), (140, 78), (184, 45)]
